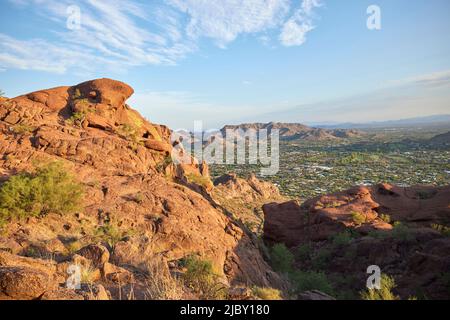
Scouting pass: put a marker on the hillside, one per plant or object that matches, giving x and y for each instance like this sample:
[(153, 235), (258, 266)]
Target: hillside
[(139, 211), (403, 231), (88, 188), (441, 138)]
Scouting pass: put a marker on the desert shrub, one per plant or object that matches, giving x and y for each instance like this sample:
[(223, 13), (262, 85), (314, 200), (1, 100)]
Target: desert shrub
[(160, 285), (444, 230), (304, 252), (379, 234), (350, 253), (333, 204), (199, 180), (311, 280), (73, 247), (76, 118), (22, 128), (281, 258), (76, 94), (387, 283), (386, 218), (321, 259), (130, 133), (138, 198), (167, 161), (50, 189), (202, 279), (267, 293), (342, 239), (2, 93), (110, 234), (87, 274), (137, 122), (401, 232), (358, 217)]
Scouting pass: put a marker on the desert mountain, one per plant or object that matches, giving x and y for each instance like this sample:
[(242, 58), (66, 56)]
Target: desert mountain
[(297, 131), (139, 212)]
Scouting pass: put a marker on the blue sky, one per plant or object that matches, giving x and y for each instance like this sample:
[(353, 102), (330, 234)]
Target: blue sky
[(232, 61)]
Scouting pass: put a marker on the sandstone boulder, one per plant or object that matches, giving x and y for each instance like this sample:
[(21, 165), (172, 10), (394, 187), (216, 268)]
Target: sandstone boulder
[(23, 283), (97, 254)]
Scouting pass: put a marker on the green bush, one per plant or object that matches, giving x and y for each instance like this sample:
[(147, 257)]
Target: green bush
[(50, 189), (76, 118), (202, 279), (358, 217), (386, 218), (267, 293), (402, 232), (304, 251), (444, 230), (387, 283), (281, 258), (22, 128), (342, 239), (311, 280), (198, 179), (167, 161), (77, 94), (321, 259), (110, 234)]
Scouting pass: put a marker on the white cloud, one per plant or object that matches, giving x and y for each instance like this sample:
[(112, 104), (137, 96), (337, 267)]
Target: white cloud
[(223, 21), (113, 35), (295, 29), (117, 35), (434, 79)]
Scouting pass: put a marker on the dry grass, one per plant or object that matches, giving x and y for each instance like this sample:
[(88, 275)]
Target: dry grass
[(161, 285), (267, 293)]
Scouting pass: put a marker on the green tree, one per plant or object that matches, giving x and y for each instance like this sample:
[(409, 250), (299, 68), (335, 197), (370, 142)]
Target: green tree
[(387, 283), (281, 258), (50, 189)]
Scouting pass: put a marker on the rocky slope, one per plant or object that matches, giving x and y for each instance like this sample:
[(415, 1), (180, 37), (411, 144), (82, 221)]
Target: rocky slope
[(157, 210), (244, 198), (405, 231)]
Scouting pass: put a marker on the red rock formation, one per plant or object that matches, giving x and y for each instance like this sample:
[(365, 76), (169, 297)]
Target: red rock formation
[(321, 217), (119, 155), (414, 253)]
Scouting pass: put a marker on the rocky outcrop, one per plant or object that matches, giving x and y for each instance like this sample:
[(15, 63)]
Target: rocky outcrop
[(151, 206), (245, 197), (363, 209), (402, 230)]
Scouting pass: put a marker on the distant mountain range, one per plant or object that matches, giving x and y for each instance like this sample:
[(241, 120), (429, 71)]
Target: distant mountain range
[(297, 131), (287, 131), (442, 119)]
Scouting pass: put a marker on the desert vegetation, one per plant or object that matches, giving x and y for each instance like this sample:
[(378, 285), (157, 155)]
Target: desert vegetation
[(51, 188)]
